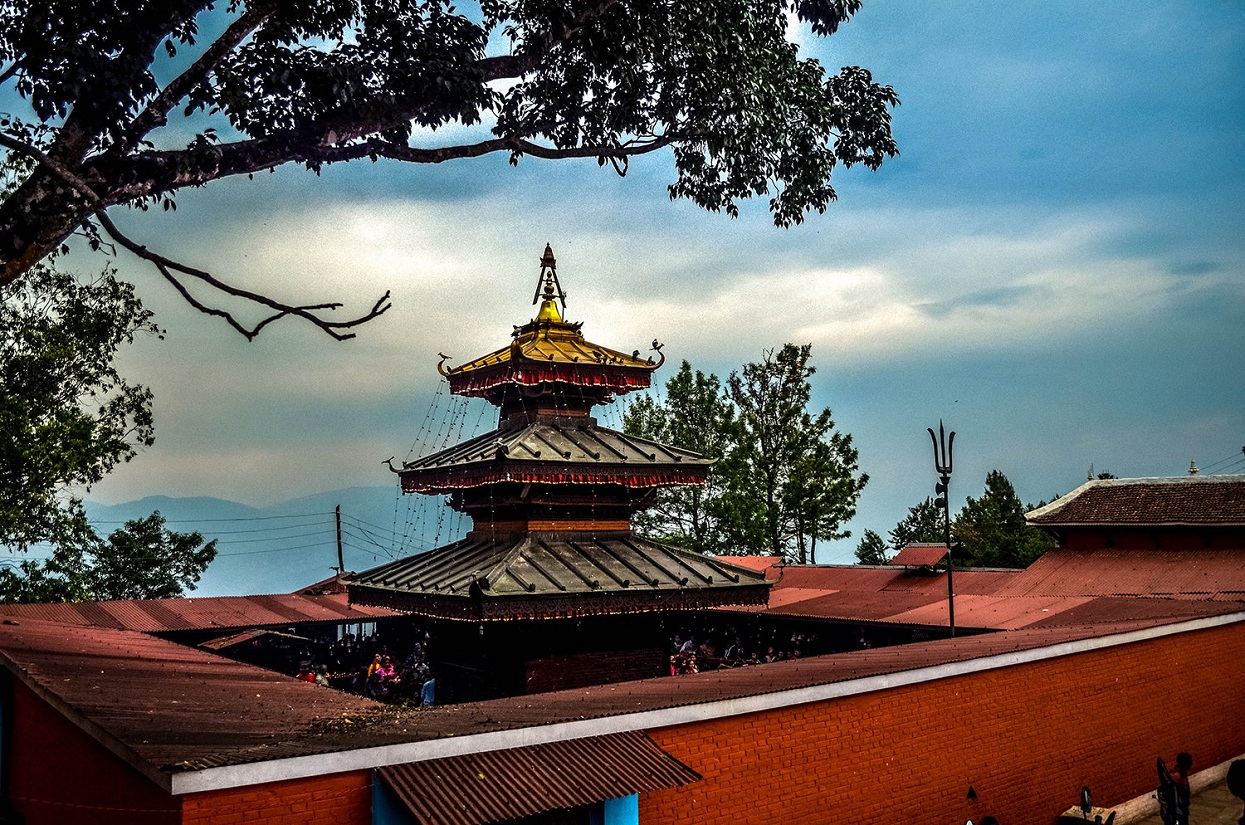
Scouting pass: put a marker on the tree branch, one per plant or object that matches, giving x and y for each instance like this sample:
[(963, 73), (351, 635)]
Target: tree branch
[(157, 110), (307, 312), (168, 267)]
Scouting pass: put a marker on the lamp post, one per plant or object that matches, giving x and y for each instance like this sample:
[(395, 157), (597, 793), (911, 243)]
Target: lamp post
[(944, 449)]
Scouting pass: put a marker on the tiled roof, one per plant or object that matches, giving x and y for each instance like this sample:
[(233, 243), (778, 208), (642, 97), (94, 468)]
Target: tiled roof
[(1184, 500), (205, 613), (570, 450), (508, 784), (568, 571)]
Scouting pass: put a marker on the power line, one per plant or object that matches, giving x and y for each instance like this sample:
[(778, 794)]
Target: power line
[(211, 520)]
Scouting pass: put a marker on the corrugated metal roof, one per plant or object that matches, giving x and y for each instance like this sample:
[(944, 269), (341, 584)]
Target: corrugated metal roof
[(1209, 500), (508, 784), (553, 564), (1201, 574), (206, 613), (179, 709), (920, 555), (1062, 581)]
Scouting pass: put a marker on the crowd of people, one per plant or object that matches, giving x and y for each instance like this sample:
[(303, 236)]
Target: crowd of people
[(689, 656), (368, 667)]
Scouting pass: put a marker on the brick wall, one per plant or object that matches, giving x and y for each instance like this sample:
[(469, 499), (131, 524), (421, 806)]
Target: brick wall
[(340, 799), (58, 774), (573, 670), (1024, 738)]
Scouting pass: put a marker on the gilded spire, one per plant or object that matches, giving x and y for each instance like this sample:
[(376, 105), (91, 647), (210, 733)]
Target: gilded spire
[(552, 288)]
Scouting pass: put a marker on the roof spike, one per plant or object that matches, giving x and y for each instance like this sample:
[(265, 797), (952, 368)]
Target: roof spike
[(552, 288)]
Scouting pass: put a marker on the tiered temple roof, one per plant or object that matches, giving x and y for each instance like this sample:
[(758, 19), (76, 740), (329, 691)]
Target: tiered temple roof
[(551, 493)]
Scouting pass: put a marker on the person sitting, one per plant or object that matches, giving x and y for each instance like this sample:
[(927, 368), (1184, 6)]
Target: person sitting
[(1180, 778)]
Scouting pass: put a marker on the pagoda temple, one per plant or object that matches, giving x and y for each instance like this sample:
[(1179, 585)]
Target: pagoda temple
[(551, 493)]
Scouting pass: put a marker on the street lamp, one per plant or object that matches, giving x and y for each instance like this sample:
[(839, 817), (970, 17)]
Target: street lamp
[(943, 455)]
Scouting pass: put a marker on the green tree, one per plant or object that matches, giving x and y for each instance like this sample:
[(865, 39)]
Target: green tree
[(695, 415), (142, 560), (923, 524), (131, 101), (871, 549), (798, 479), (992, 528), (67, 415)]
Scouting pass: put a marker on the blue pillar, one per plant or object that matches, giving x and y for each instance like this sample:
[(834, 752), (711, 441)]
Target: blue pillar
[(387, 809), (623, 811)]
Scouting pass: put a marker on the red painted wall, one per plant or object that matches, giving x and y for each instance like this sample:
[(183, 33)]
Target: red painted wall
[(58, 774), (340, 799), (1025, 738)]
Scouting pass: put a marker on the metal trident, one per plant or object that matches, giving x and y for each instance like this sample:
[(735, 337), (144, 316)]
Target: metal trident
[(943, 457)]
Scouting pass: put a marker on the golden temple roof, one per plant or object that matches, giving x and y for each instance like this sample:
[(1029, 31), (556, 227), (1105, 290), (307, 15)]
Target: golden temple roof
[(549, 340)]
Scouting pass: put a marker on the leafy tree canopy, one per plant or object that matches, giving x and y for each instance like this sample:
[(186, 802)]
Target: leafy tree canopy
[(695, 415), (134, 100), (871, 549), (142, 560), (922, 524), (799, 479), (992, 528), (783, 478), (67, 415)]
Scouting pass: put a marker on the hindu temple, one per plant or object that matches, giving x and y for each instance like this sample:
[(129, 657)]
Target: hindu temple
[(551, 494)]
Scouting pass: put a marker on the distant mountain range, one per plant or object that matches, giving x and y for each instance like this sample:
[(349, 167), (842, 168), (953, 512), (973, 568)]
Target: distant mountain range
[(282, 547)]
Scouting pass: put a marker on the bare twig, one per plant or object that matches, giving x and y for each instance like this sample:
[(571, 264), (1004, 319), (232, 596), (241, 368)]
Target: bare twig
[(168, 267), (307, 312)]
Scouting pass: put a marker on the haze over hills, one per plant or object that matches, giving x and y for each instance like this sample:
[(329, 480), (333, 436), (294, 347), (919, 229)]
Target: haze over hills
[(285, 546)]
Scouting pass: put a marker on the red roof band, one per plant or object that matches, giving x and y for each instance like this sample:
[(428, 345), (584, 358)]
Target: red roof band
[(590, 374), (427, 482)]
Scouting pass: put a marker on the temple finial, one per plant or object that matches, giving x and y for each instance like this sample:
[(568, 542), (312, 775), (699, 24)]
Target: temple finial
[(549, 284)]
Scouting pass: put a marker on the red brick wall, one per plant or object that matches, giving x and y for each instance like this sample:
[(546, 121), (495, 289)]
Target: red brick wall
[(1025, 738), (58, 774), (340, 799)]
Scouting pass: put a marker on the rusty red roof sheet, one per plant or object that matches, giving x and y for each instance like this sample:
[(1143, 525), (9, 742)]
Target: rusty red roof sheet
[(518, 782), (920, 555), (1197, 574), (1184, 500), (208, 613), (209, 711), (171, 708)]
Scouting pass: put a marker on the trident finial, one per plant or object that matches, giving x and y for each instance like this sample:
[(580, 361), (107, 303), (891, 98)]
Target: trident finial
[(549, 284)]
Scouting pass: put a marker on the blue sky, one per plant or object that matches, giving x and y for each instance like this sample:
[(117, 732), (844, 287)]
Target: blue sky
[(1054, 266)]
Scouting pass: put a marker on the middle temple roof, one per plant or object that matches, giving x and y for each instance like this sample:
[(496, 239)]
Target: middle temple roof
[(571, 450)]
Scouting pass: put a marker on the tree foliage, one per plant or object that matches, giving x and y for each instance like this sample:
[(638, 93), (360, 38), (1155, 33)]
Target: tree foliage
[(922, 524), (142, 560), (798, 479), (695, 415), (67, 415), (871, 549), (992, 528), (783, 478), (133, 101)]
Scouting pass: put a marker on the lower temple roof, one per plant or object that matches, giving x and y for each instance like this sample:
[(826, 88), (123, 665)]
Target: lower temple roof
[(548, 574)]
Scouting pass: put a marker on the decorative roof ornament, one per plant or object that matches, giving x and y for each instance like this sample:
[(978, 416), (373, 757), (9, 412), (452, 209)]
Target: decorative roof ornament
[(552, 287)]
